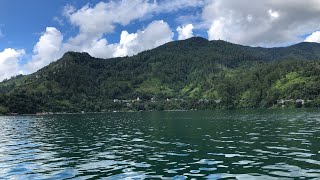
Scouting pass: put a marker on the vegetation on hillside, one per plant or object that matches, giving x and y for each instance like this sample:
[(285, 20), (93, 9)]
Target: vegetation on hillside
[(190, 74)]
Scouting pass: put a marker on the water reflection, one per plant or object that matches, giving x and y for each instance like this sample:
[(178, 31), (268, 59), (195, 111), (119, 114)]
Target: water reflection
[(249, 144)]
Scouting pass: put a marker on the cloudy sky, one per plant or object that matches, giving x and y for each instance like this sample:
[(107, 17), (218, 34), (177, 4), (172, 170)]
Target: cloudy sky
[(34, 33)]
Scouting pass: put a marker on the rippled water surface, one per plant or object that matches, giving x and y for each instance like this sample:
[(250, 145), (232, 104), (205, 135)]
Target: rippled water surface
[(252, 144)]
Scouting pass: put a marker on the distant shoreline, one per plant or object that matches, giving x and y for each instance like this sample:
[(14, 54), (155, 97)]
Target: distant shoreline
[(131, 111)]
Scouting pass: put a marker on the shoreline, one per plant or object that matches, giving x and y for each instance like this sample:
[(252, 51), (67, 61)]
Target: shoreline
[(173, 110)]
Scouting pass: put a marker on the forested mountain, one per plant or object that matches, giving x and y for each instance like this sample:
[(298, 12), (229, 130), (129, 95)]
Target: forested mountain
[(189, 74)]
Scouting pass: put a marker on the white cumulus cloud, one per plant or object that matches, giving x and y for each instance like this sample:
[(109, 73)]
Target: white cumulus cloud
[(314, 37), (9, 62), (126, 42), (103, 17), (185, 32), (273, 14), (155, 34), (96, 21), (98, 48), (261, 23), (216, 31), (47, 49)]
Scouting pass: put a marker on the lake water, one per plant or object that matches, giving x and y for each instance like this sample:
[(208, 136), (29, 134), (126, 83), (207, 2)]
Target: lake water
[(240, 144)]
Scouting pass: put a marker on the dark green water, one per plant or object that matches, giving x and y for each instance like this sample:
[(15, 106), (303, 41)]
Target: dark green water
[(247, 144)]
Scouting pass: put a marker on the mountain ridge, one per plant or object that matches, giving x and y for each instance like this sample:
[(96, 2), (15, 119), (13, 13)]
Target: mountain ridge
[(203, 41), (190, 70)]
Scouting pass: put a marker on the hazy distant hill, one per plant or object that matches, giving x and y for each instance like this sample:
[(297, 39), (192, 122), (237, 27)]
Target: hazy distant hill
[(193, 73)]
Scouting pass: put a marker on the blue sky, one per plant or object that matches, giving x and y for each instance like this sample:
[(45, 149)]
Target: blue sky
[(35, 33), (22, 22)]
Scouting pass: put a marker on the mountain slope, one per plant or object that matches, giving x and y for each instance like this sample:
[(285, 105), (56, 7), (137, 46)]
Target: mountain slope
[(188, 70)]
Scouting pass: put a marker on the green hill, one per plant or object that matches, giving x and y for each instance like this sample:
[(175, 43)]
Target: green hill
[(189, 74)]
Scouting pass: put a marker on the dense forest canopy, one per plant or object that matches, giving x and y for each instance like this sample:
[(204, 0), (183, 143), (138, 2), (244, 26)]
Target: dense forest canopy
[(189, 74)]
